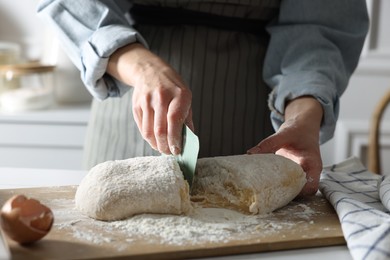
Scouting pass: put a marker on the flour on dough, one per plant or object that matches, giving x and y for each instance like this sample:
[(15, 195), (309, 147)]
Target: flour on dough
[(257, 184), (119, 189)]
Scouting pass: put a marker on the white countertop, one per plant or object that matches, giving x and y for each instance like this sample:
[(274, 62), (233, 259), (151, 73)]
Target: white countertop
[(12, 178), (72, 113)]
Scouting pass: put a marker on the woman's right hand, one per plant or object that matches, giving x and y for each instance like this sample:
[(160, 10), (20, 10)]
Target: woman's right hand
[(161, 100)]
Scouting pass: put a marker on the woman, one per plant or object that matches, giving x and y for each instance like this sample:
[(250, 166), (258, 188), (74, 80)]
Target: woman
[(216, 66)]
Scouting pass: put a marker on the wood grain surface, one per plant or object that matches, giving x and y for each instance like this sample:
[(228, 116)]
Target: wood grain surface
[(319, 228)]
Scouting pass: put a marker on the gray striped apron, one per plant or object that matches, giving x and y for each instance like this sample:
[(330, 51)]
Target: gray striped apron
[(223, 69)]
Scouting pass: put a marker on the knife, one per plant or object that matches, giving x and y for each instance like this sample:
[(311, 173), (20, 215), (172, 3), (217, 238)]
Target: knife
[(189, 155)]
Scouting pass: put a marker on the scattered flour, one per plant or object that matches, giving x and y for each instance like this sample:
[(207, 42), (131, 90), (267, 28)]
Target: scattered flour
[(204, 225)]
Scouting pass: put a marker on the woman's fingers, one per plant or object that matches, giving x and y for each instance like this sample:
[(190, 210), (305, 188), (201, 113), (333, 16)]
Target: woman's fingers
[(312, 165), (147, 129), (137, 115), (179, 110), (143, 119), (160, 115), (175, 126), (189, 122), (160, 103), (160, 128)]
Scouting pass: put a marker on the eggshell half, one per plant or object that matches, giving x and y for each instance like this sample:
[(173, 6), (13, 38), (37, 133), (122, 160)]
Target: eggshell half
[(25, 220)]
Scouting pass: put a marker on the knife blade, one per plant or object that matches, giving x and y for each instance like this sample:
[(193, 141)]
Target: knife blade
[(189, 155)]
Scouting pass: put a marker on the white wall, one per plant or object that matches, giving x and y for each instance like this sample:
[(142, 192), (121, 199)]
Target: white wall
[(18, 24), (369, 83)]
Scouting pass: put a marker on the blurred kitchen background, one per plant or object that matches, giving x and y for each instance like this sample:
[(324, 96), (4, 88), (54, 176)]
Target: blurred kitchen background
[(43, 123)]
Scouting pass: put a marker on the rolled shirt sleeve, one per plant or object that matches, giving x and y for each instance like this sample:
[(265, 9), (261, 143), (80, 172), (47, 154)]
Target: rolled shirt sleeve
[(314, 48), (90, 31)]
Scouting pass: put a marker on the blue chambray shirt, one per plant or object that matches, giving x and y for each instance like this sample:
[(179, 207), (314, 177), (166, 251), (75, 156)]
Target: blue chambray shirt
[(314, 48)]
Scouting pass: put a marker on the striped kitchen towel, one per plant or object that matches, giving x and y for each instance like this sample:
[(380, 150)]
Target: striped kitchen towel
[(357, 196)]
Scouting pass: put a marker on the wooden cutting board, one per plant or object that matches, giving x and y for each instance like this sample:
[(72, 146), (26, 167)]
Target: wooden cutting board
[(301, 224)]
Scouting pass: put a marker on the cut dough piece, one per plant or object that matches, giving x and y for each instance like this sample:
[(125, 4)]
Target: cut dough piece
[(116, 190), (257, 184)]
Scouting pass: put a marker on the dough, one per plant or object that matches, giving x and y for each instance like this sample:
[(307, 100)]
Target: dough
[(116, 190), (256, 184)]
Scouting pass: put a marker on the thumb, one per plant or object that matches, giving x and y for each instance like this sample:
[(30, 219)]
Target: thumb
[(270, 144)]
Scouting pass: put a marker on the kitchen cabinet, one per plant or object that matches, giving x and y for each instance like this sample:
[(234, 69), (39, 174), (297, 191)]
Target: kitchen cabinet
[(48, 139)]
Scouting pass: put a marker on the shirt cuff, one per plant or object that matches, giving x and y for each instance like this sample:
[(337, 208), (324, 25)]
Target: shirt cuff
[(298, 85), (94, 57)]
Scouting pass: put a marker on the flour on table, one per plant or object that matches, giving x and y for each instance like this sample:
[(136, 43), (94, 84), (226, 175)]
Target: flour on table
[(203, 225)]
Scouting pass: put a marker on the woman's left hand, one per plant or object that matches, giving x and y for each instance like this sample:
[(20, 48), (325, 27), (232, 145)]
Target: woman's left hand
[(298, 140)]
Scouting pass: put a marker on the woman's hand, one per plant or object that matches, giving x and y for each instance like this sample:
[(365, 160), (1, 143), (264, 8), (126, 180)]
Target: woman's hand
[(298, 140), (161, 100)]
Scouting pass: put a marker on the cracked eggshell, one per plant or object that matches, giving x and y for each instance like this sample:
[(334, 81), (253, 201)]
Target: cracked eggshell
[(25, 220)]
